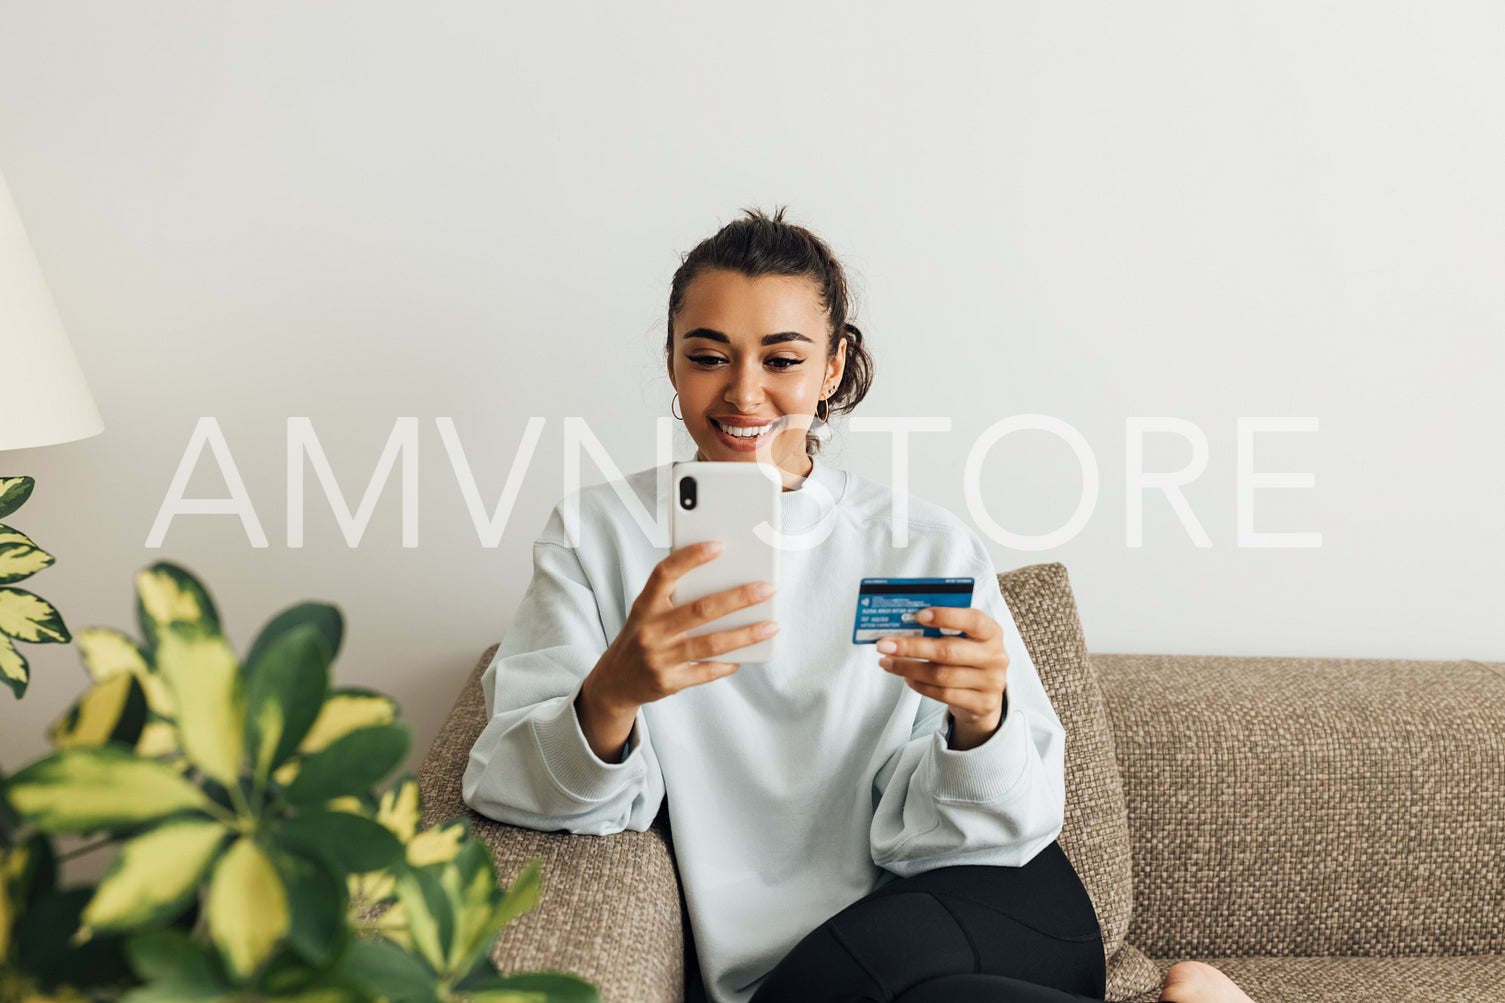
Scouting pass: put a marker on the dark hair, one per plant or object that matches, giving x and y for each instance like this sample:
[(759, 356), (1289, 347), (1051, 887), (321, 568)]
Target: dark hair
[(763, 245)]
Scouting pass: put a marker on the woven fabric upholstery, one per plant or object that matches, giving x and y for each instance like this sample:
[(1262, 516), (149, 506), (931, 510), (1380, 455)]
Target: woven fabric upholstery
[(1095, 835), (609, 906), (1313, 807), (1477, 979)]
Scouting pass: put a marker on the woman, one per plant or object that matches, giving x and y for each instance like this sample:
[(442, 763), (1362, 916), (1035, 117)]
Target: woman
[(847, 826)]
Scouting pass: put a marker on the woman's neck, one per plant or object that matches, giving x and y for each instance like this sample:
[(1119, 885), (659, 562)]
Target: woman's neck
[(792, 481)]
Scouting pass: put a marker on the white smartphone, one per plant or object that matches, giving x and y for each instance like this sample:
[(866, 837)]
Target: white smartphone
[(727, 501)]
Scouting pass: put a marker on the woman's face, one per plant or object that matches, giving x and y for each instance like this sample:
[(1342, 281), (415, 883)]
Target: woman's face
[(748, 352)]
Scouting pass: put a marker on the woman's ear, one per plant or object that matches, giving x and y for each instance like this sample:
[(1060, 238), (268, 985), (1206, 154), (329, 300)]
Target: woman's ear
[(838, 364)]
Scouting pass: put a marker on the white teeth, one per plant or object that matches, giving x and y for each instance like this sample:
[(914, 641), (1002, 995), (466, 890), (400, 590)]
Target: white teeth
[(744, 433)]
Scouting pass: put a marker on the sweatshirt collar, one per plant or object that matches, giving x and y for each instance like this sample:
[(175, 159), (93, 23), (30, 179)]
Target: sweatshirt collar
[(815, 498)]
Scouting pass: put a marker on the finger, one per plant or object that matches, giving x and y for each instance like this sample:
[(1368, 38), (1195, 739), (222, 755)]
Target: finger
[(976, 624), (954, 650), (971, 702), (700, 673), (667, 573), (707, 608), (722, 641), (959, 677)]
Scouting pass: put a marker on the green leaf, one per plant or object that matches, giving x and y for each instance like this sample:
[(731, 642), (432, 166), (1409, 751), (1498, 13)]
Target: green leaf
[(27, 872), (344, 711), (167, 594), (10, 822), (106, 652), (479, 914), (113, 711), (206, 685), (286, 685), (29, 617), (348, 843), (155, 875), (430, 923), (45, 939), (13, 670), (13, 493), (19, 557), (522, 894), (316, 900), (247, 907), (172, 958), (100, 787), (323, 617), (552, 987), (382, 968), (351, 765)]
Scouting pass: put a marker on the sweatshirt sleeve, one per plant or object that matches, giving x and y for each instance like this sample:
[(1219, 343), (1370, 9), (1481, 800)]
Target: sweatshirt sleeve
[(999, 803), (531, 765)]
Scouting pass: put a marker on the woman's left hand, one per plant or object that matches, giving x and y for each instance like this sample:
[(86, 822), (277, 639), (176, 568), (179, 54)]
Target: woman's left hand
[(967, 673)]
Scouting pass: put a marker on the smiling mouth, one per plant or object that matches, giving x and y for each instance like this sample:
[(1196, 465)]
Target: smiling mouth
[(748, 432)]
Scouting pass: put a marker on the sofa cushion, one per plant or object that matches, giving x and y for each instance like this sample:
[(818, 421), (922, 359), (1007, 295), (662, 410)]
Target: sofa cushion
[(1095, 835), (1468, 979), (1312, 807)]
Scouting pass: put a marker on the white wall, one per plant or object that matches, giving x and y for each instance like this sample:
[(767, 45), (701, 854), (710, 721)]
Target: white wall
[(357, 212)]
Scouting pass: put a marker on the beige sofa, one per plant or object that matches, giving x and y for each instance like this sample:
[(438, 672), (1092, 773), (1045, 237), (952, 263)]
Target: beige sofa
[(1319, 828)]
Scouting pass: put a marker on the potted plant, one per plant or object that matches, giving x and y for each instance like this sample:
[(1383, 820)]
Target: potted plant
[(256, 857)]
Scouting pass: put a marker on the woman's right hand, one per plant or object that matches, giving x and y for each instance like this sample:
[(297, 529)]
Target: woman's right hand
[(652, 658)]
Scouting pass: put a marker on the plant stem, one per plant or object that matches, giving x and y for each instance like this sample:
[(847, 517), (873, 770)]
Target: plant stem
[(239, 798), (79, 851)]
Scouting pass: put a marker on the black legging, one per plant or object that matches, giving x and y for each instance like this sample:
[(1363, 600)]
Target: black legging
[(963, 934)]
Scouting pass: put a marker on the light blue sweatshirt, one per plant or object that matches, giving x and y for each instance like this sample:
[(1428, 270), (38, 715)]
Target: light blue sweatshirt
[(795, 786)]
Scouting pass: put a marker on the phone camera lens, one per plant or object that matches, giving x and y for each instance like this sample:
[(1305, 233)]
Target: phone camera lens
[(687, 493)]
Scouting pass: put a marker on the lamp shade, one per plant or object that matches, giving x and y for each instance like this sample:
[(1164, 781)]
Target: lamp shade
[(43, 396)]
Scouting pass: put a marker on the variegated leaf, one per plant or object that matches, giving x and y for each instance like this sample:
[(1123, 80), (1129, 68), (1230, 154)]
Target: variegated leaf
[(439, 844), (113, 711), (13, 493), (167, 594), (247, 907), (19, 557), (13, 669), (102, 787), (285, 689), (29, 617), (155, 874), (400, 809), (344, 711), (470, 883), (209, 693), (351, 765), (106, 652), (430, 923)]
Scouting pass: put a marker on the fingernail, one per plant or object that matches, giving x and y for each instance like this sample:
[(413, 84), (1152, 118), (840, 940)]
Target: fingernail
[(711, 547), (887, 647), (768, 629), (887, 663), (764, 590), (925, 615)]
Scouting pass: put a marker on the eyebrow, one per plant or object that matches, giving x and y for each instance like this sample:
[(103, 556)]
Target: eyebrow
[(710, 334)]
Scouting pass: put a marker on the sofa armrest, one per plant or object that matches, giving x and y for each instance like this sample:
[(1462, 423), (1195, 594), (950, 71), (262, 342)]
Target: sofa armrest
[(609, 907), (1311, 806)]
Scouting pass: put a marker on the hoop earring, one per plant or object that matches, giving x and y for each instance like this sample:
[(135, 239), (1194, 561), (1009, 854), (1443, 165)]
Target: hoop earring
[(673, 402), (827, 403)]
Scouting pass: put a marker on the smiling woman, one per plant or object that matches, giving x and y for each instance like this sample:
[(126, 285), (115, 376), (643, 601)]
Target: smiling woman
[(845, 826)]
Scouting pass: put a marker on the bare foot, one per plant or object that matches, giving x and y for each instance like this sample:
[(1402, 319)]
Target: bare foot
[(1195, 982)]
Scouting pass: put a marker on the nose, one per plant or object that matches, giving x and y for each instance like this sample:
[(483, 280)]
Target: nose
[(744, 389)]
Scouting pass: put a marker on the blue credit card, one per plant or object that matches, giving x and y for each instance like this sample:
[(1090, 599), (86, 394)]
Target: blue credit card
[(886, 606)]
